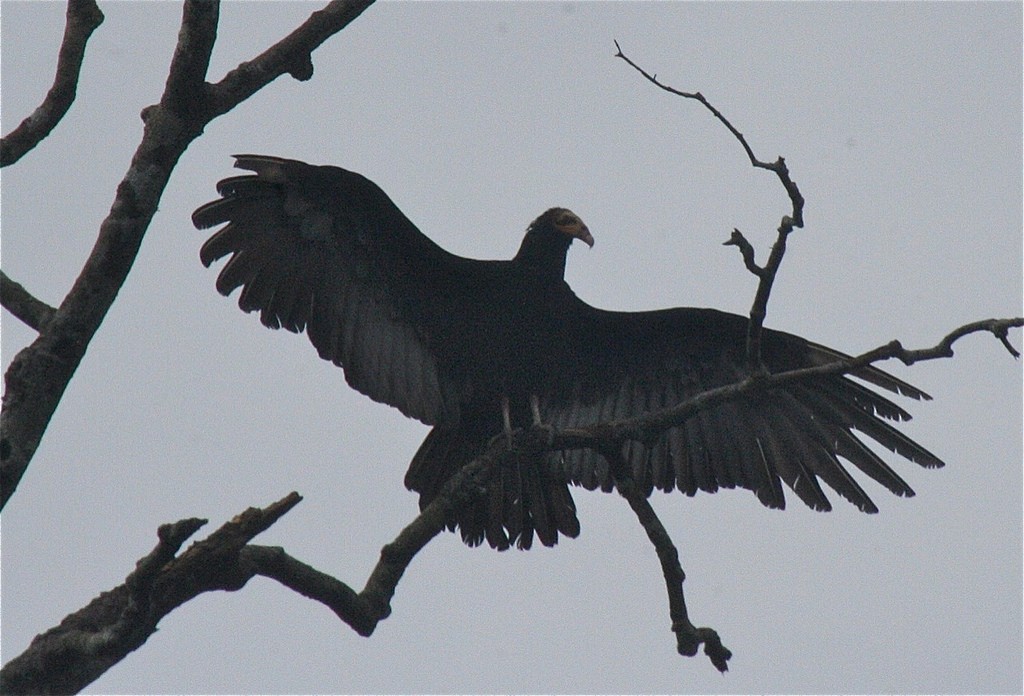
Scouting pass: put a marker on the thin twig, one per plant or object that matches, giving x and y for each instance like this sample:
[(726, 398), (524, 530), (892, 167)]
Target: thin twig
[(778, 166), (766, 274)]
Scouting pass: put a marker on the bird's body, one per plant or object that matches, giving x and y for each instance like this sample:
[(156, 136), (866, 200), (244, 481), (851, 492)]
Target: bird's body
[(449, 340)]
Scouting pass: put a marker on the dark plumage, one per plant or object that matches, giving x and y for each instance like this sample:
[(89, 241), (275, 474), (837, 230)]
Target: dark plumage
[(445, 339)]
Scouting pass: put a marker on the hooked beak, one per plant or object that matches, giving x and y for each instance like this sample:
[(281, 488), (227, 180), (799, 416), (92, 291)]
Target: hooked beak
[(577, 230), (583, 234)]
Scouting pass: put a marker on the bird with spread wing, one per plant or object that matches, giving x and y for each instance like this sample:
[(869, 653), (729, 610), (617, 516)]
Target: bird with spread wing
[(474, 348)]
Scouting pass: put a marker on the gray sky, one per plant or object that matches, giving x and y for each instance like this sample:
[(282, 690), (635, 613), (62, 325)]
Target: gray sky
[(900, 122)]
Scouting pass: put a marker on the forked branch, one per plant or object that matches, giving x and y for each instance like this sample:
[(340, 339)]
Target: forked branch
[(117, 622), (37, 377)]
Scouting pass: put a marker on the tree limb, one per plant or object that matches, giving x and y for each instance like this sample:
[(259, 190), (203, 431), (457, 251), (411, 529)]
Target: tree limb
[(183, 91), (83, 17), (22, 304), (68, 657), (37, 377)]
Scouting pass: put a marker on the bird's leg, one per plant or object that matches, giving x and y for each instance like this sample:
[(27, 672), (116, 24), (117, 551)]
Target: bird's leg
[(506, 423), (538, 424)]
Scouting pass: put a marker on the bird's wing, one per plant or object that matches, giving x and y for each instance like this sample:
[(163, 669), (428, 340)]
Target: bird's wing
[(622, 364), (324, 250)]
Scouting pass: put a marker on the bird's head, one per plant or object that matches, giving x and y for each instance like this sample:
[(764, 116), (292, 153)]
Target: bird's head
[(548, 238), (567, 222)]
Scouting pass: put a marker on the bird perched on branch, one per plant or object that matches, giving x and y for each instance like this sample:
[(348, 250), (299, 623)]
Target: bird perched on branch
[(474, 348)]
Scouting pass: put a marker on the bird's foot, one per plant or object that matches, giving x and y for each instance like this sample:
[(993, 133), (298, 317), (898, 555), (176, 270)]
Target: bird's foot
[(544, 433)]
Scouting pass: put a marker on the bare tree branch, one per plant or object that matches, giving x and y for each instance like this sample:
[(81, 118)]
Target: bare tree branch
[(606, 438), (119, 621), (68, 657), (22, 304), (766, 274), (183, 91), (291, 55), (37, 377), (688, 637), (88, 642), (778, 166), (362, 611), (645, 427), (272, 562), (1000, 328), (83, 17)]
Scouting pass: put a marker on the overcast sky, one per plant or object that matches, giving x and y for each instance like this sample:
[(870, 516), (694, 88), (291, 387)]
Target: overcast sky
[(900, 122)]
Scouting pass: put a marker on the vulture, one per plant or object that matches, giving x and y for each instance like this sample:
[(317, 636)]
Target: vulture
[(473, 348)]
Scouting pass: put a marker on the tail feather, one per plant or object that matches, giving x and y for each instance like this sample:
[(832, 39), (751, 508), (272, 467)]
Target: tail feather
[(524, 496)]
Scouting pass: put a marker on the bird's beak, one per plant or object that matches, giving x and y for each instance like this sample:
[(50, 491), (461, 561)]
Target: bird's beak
[(574, 228), (577, 230), (583, 234)]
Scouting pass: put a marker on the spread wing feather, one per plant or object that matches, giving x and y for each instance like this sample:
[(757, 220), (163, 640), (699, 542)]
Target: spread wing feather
[(325, 251), (800, 434)]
